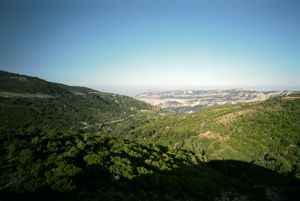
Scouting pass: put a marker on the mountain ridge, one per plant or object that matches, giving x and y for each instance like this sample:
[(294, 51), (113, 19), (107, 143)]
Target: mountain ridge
[(189, 101), (42, 101)]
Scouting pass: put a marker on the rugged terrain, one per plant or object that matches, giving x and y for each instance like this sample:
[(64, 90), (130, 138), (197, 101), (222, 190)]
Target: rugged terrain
[(189, 101), (60, 142)]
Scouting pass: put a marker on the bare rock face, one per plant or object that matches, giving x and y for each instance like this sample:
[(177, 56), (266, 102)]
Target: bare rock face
[(188, 101)]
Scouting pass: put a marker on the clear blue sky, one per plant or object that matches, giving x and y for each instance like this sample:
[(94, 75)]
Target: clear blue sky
[(213, 43)]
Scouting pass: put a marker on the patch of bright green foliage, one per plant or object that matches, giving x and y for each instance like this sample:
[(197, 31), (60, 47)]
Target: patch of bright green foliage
[(267, 133)]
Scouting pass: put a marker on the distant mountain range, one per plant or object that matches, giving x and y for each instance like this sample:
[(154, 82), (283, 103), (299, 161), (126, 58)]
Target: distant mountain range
[(189, 101)]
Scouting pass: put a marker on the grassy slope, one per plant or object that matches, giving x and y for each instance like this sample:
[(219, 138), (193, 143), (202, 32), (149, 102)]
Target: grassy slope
[(267, 133)]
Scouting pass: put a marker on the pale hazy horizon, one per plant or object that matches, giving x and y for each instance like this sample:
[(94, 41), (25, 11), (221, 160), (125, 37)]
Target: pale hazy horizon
[(135, 90)]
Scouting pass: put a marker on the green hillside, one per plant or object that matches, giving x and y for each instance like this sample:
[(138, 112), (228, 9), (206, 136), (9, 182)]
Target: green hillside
[(60, 142), (264, 133), (27, 102)]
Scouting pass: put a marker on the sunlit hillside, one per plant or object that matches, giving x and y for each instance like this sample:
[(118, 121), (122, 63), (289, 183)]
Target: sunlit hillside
[(71, 143)]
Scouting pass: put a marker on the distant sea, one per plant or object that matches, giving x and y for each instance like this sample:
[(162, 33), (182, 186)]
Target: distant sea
[(134, 90)]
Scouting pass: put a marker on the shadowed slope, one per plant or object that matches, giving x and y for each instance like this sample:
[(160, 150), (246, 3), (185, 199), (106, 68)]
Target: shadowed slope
[(80, 166)]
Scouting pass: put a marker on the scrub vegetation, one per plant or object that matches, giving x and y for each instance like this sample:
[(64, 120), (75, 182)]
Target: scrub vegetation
[(73, 143)]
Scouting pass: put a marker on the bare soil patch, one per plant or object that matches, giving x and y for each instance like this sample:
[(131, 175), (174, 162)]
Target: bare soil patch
[(228, 118)]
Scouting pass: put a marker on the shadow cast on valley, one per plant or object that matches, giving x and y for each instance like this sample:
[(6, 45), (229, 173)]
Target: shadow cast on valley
[(214, 180)]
